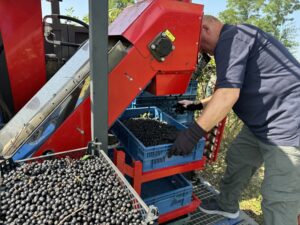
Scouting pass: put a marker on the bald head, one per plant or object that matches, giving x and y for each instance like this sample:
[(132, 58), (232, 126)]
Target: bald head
[(210, 19), (211, 29)]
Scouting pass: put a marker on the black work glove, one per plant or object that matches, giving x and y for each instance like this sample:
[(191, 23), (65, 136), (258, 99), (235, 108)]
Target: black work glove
[(170, 137), (179, 108), (187, 140)]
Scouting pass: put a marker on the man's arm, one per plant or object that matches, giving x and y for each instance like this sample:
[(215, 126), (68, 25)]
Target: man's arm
[(221, 103), (218, 107), (204, 101)]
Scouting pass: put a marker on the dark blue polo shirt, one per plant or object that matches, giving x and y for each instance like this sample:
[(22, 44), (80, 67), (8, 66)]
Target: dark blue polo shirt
[(269, 80)]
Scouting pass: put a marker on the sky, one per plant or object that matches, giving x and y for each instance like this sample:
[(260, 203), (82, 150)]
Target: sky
[(212, 7)]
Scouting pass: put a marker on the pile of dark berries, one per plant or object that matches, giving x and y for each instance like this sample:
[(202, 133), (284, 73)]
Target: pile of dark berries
[(65, 191), (151, 131)]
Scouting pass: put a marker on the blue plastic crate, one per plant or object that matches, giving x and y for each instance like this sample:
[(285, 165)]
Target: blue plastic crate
[(166, 104), (168, 101), (186, 118), (152, 157), (132, 104), (192, 88), (168, 194)]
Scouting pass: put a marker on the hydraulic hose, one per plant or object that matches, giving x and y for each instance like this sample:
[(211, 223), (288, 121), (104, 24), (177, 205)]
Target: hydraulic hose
[(56, 16)]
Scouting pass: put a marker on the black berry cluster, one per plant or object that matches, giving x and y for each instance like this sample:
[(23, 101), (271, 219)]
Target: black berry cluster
[(65, 191), (151, 131)]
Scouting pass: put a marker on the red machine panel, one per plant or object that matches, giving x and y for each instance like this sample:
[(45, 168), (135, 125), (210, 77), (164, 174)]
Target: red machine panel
[(22, 34), (75, 132), (164, 84), (183, 20)]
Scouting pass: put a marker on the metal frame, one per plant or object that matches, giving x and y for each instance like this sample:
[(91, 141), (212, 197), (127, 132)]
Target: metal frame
[(98, 33)]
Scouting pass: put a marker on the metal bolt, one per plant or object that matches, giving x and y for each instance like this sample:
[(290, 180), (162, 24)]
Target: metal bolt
[(80, 130), (163, 34), (128, 76), (162, 59), (153, 46), (173, 47)]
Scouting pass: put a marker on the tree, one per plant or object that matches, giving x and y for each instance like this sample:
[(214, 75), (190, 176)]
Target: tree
[(116, 7), (273, 16), (70, 12)]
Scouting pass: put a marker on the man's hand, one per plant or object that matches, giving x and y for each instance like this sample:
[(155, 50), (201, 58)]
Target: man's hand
[(187, 140), (187, 105)]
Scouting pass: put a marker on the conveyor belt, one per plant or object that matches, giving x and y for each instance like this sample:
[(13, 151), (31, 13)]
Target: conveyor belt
[(40, 116)]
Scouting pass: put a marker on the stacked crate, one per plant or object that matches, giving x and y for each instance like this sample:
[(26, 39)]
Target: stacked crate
[(155, 176), (152, 157), (171, 192)]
